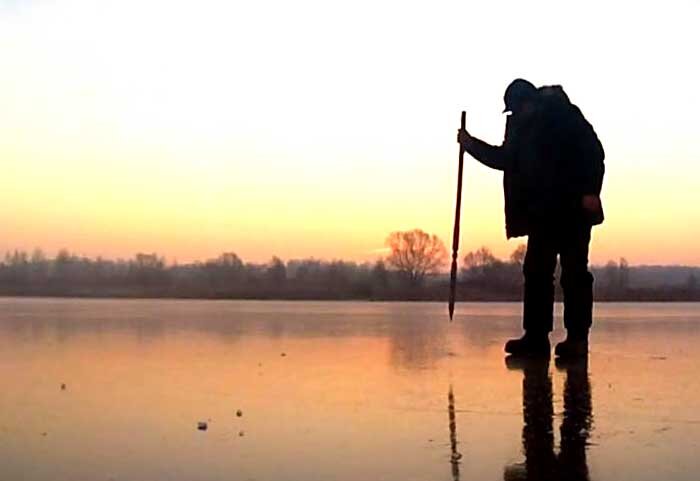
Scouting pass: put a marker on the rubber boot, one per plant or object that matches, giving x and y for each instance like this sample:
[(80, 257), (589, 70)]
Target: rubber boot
[(574, 347), (530, 345)]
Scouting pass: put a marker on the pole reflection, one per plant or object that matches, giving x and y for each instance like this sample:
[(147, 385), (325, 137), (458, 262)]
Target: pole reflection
[(455, 455), (542, 463)]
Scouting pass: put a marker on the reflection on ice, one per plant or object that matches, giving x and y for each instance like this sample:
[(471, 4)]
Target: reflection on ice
[(541, 460), (358, 394)]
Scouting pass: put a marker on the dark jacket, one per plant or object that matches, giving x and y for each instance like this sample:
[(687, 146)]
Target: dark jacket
[(549, 162)]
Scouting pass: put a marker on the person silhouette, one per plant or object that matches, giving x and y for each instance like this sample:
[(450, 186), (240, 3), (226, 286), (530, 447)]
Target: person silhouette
[(541, 461), (552, 163)]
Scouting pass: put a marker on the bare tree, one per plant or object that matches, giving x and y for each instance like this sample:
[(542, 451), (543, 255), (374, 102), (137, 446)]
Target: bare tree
[(228, 260), (624, 274), (611, 272), (276, 272), (479, 260), (415, 254), (518, 255), (380, 276)]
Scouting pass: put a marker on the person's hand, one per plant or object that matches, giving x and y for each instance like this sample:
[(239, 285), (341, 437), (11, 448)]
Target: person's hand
[(591, 203), (463, 137)]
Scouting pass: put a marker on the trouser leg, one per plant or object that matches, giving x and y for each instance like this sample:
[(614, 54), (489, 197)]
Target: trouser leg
[(576, 281), (538, 269)]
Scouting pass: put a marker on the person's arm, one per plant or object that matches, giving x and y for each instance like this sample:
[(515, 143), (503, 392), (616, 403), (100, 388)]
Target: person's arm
[(492, 156)]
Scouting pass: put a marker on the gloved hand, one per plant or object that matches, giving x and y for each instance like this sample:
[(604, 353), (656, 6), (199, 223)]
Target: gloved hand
[(593, 208), (591, 203), (463, 137)]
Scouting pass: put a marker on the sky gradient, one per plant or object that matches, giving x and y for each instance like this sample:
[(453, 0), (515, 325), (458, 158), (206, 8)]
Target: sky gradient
[(316, 128)]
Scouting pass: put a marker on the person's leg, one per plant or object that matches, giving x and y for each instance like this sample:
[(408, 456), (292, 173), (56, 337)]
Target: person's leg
[(538, 269), (577, 284), (538, 303)]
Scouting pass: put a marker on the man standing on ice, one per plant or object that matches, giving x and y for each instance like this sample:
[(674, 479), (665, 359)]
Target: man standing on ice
[(552, 163)]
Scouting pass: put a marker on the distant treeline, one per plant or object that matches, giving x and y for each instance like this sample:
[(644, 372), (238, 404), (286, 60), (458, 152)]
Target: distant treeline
[(615, 281), (482, 277)]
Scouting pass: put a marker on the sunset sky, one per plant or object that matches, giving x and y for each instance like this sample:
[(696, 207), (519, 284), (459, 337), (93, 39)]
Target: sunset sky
[(314, 128)]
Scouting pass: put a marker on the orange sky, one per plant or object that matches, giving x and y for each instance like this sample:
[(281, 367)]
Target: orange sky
[(315, 129)]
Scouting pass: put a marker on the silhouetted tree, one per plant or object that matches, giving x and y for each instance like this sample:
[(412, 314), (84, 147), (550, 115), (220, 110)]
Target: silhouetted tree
[(380, 276), (225, 272), (18, 263), (483, 277), (276, 272), (623, 274), (229, 260), (476, 261), (415, 254), (305, 270), (518, 255), (482, 269), (337, 276), (611, 274), (616, 277), (147, 269), (38, 267), (481, 264), (65, 266)]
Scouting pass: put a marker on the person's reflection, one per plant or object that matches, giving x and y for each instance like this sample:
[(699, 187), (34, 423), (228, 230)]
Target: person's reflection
[(578, 418), (541, 462), (538, 437)]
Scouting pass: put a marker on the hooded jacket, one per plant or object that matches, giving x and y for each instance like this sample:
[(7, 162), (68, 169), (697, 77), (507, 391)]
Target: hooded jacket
[(550, 160)]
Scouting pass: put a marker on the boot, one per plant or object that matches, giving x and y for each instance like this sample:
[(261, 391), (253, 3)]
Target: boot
[(530, 345), (575, 346)]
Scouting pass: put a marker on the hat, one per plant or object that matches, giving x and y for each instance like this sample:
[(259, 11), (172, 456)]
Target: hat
[(517, 92)]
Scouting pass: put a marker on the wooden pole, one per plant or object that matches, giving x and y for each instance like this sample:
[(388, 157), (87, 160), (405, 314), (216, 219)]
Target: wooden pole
[(455, 231)]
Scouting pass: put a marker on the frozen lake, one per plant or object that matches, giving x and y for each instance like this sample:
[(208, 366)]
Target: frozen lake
[(339, 391)]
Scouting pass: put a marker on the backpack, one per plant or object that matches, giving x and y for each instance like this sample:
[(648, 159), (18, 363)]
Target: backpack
[(570, 128), (566, 120)]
